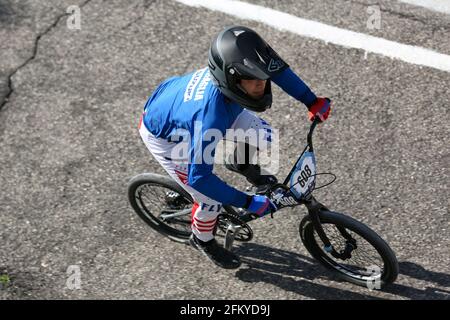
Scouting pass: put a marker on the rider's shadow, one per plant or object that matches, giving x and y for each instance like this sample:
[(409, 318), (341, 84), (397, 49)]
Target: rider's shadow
[(278, 267)]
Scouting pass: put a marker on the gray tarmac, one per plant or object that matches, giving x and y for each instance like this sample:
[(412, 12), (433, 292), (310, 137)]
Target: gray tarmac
[(70, 103)]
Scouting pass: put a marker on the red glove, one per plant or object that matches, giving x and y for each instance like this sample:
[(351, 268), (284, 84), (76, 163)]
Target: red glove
[(320, 108)]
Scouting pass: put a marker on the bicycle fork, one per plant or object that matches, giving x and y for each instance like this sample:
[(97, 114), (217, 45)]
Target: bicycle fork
[(314, 208)]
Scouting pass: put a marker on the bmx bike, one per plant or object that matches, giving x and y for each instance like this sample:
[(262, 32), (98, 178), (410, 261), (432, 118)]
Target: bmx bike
[(342, 244)]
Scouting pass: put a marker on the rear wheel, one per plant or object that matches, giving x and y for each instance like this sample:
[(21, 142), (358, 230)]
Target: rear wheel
[(364, 258), (162, 204)]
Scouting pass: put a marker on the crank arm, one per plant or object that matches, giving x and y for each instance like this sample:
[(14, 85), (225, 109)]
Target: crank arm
[(166, 216)]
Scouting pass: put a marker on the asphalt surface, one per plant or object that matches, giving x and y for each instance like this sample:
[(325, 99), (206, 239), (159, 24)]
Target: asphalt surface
[(70, 102)]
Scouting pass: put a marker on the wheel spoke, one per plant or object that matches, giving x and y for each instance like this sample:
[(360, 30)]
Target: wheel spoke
[(363, 259), (152, 200)]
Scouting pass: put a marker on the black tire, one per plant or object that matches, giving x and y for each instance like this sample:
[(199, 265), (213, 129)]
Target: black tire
[(310, 239), (152, 219)]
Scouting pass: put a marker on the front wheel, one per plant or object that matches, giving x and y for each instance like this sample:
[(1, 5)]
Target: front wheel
[(363, 257)]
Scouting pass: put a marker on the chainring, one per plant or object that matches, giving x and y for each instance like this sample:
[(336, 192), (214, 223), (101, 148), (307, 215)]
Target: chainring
[(224, 220)]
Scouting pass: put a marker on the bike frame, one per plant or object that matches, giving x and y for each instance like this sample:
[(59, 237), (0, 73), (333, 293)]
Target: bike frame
[(313, 206)]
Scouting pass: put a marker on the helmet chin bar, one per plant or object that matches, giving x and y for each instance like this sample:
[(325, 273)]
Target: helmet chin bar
[(249, 97), (240, 87), (267, 89)]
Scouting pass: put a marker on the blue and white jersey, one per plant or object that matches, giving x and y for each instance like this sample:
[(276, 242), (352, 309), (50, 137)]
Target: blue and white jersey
[(190, 105)]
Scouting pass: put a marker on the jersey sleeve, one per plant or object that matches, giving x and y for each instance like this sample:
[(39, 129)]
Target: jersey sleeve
[(208, 131), (294, 86)]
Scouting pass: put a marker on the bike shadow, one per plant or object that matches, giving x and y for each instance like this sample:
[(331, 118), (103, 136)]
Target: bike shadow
[(278, 267), (418, 272)]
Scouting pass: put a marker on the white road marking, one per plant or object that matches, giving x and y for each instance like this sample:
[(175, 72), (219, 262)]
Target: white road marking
[(308, 28), (435, 5)]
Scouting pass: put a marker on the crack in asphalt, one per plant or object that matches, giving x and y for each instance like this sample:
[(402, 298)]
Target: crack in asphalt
[(146, 4), (10, 90)]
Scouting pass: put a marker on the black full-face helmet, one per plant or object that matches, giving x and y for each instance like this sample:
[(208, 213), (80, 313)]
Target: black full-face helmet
[(240, 53)]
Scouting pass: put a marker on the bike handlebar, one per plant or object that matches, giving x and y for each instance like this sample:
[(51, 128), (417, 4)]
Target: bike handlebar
[(248, 217), (315, 122)]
